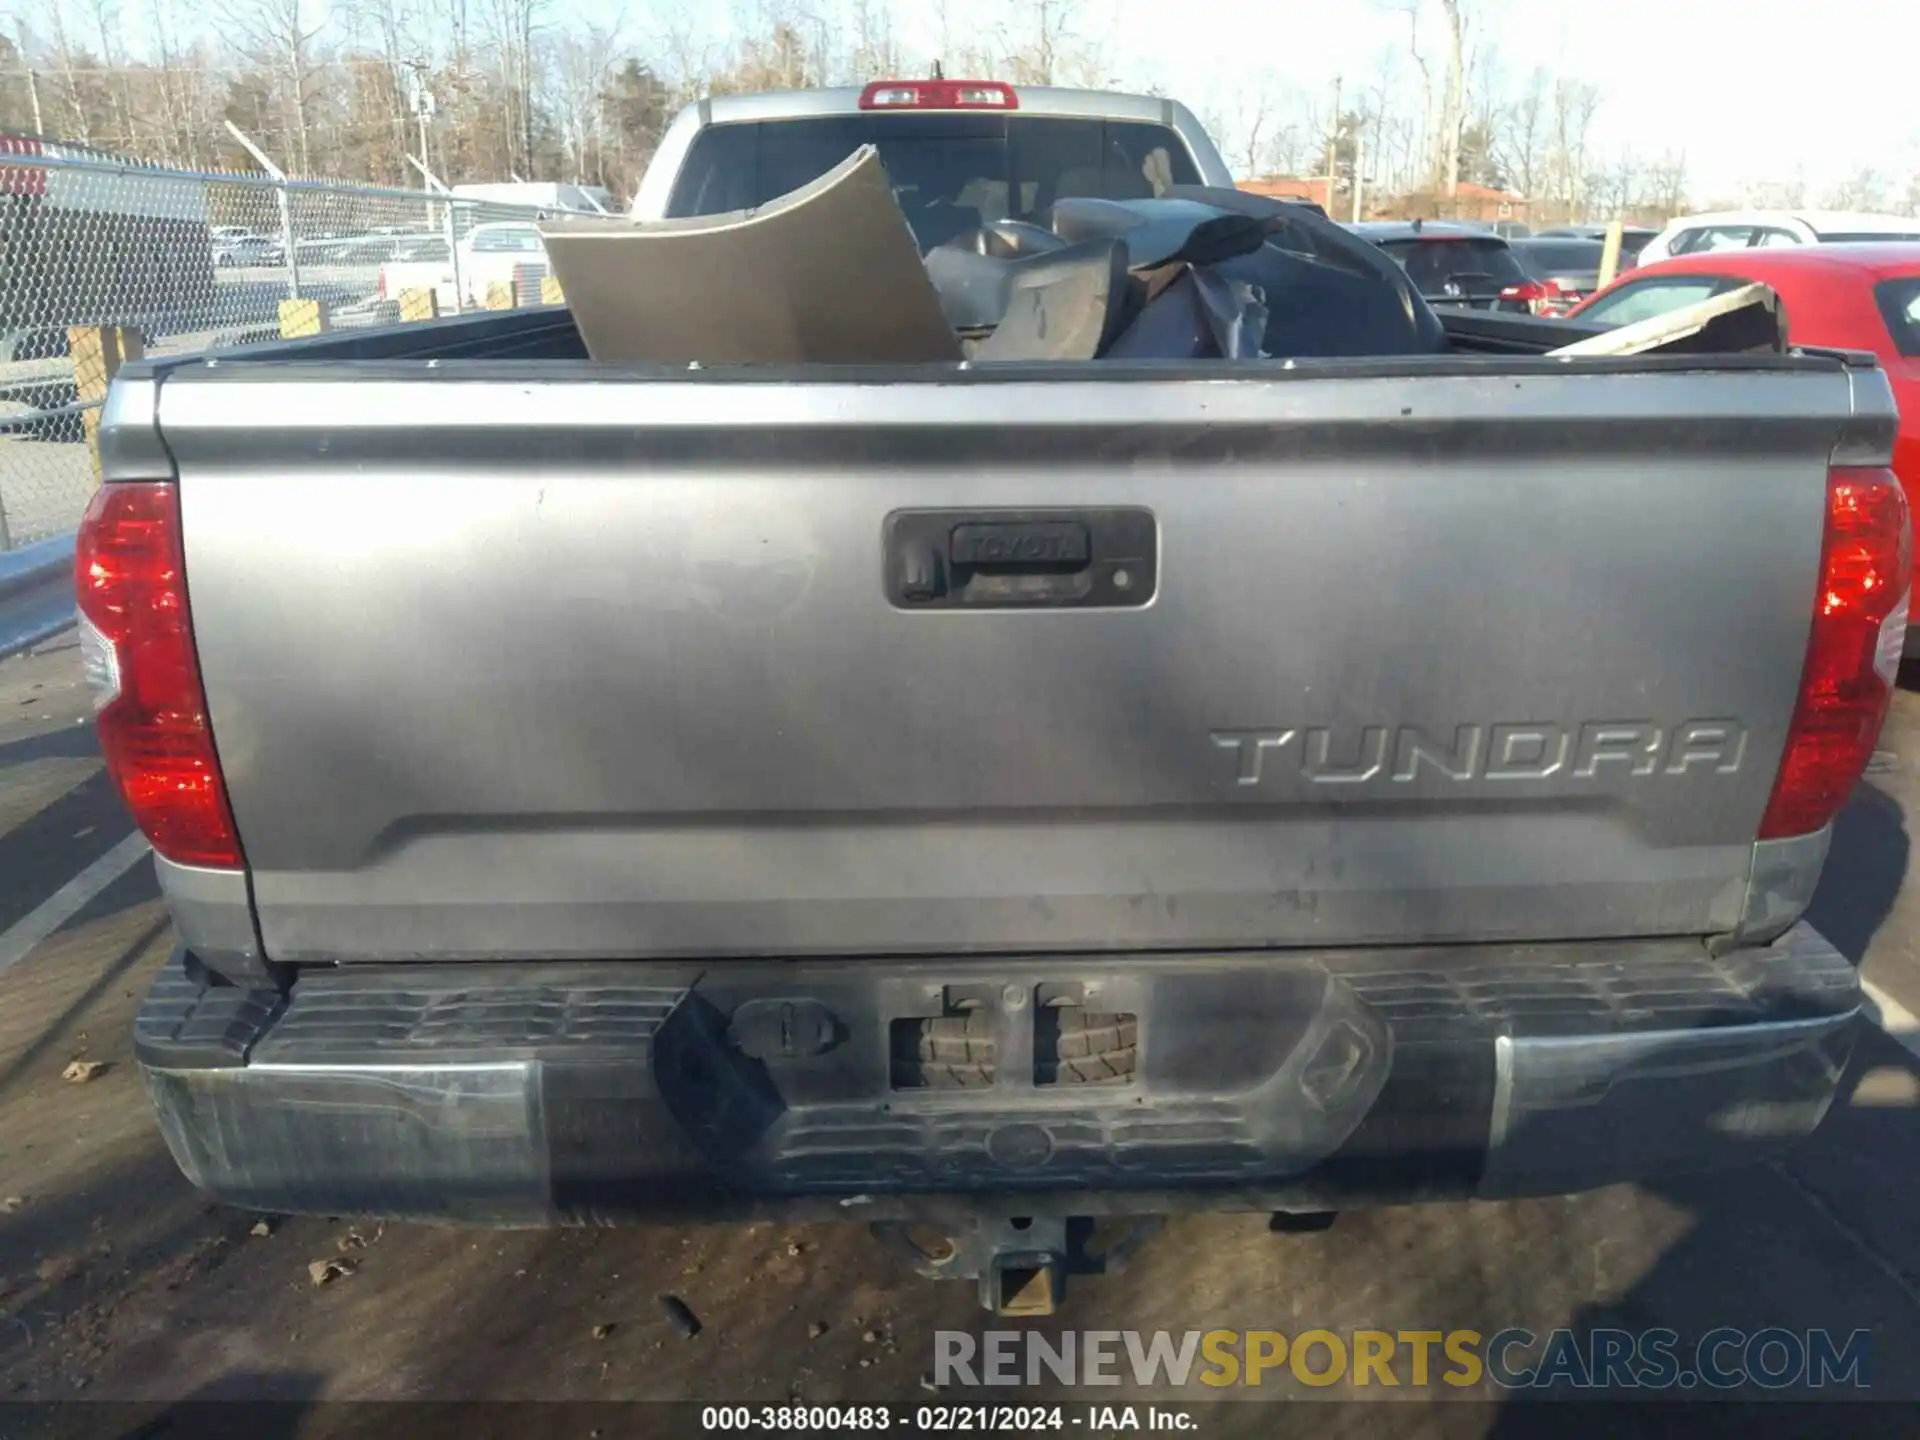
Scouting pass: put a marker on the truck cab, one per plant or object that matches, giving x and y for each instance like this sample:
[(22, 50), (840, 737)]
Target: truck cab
[(960, 154)]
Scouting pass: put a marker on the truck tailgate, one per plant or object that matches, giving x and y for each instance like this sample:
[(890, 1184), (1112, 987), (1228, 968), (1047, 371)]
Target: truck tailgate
[(547, 662)]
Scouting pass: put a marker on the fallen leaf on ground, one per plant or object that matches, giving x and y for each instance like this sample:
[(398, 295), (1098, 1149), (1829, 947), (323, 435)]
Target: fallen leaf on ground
[(325, 1272), (81, 1071)]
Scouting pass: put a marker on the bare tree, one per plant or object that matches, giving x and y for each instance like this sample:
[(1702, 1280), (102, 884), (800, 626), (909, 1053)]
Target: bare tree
[(1571, 119), (687, 54), (1254, 120), (1865, 189), (786, 47), (389, 68), (1611, 189), (1664, 187), (1377, 101), (582, 70), (1518, 137), (181, 90), (532, 87), (1443, 107), (1241, 121), (962, 51), (77, 118), (1480, 161), (511, 27), (1422, 135), (1043, 45), (874, 55), (19, 105), (105, 18), (281, 34), (1772, 194)]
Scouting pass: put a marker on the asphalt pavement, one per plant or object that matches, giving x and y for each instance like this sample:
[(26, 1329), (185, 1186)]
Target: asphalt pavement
[(119, 1281)]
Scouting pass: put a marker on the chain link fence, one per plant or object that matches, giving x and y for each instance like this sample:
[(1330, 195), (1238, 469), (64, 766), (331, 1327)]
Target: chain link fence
[(188, 262)]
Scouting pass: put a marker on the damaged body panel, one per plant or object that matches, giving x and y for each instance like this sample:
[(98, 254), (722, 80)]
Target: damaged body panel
[(827, 273)]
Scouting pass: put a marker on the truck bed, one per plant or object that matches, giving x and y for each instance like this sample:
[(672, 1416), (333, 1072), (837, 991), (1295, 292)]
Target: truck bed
[(513, 656)]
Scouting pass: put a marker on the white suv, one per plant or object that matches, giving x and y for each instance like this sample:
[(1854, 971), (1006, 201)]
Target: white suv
[(1740, 229)]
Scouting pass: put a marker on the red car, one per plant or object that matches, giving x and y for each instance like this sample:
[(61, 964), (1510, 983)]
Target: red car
[(1855, 297)]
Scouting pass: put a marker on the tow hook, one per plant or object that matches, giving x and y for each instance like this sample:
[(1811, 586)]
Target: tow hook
[(1020, 1262)]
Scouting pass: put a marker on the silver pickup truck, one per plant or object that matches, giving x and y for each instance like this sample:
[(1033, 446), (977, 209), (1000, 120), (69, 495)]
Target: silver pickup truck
[(1002, 801)]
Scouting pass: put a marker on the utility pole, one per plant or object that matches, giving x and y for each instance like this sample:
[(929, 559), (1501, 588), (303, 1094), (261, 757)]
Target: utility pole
[(1456, 95), (33, 83), (1359, 169), (1333, 146), (420, 100)]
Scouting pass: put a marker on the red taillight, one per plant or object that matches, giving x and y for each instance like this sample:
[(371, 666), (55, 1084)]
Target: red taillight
[(1538, 295), (1853, 652), (28, 180), (382, 291), (137, 645), (938, 95)]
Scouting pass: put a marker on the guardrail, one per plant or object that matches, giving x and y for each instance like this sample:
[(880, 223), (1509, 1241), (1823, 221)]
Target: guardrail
[(36, 593), (177, 262)]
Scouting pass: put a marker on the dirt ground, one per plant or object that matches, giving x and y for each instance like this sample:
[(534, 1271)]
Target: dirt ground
[(119, 1282)]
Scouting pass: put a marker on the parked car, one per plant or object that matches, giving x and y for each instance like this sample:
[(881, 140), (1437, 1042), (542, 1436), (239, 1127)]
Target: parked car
[(1453, 263), (489, 253), (242, 250), (1633, 239), (347, 250), (1848, 296), (616, 830), (423, 263), (496, 253), (1564, 272), (1768, 229)]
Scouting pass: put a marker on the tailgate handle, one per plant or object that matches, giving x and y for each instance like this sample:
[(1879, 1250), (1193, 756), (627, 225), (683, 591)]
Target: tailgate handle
[(1020, 559)]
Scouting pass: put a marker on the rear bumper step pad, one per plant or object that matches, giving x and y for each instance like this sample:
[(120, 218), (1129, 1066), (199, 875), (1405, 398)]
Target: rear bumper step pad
[(526, 1094)]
